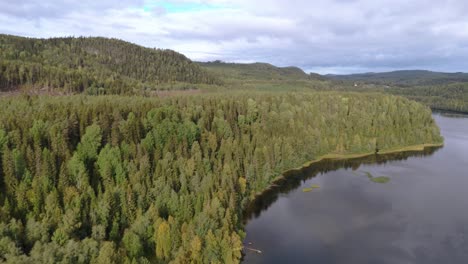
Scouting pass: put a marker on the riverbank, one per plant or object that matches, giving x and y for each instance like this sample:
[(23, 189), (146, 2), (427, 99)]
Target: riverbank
[(287, 173), (450, 111), (350, 212)]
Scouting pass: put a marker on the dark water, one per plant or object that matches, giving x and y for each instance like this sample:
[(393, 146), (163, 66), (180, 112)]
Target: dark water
[(419, 216)]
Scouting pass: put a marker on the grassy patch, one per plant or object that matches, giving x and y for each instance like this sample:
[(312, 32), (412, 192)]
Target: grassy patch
[(311, 188), (381, 179)]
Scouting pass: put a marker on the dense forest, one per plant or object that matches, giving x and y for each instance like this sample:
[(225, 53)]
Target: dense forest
[(264, 71), (117, 179), (94, 66), (438, 90), (113, 179), (452, 97), (442, 91), (266, 77), (97, 66), (405, 78)]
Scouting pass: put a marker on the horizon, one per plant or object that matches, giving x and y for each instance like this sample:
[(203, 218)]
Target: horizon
[(254, 62), (359, 36)]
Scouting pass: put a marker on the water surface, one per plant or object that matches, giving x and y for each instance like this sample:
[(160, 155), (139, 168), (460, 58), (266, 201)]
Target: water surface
[(419, 216)]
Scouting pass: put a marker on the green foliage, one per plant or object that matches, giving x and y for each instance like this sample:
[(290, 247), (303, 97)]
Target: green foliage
[(453, 97), (442, 91), (107, 254), (90, 143), (445, 91), (266, 77), (258, 71), (132, 244), (93, 66), (113, 179), (405, 78), (163, 241), (3, 139), (380, 179)]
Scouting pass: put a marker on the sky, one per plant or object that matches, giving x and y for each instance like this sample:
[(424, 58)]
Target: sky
[(323, 36)]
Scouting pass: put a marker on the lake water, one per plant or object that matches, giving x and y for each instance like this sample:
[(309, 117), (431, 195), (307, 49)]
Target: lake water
[(419, 216)]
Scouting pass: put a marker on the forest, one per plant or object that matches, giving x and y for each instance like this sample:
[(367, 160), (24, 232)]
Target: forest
[(451, 97), (97, 166), (117, 179), (404, 78), (438, 90), (102, 66), (93, 66)]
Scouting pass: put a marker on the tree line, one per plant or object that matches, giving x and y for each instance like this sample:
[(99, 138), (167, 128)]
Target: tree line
[(453, 97)]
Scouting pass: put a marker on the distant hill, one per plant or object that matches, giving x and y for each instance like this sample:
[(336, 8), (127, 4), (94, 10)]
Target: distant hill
[(439, 90), (264, 76), (404, 77), (257, 71), (93, 65)]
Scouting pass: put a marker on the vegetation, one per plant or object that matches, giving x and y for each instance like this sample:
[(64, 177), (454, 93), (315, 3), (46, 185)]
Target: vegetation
[(453, 97), (113, 179), (94, 66), (263, 76), (311, 188), (441, 91), (254, 71), (405, 78), (97, 66), (380, 179)]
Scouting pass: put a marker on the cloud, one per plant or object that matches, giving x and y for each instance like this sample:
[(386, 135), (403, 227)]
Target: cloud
[(31, 9), (323, 35)]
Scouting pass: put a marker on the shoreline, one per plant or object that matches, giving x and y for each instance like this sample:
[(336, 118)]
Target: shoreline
[(287, 173), (449, 111)]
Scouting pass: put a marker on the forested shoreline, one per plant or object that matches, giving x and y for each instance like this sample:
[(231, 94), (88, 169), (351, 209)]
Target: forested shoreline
[(115, 179), (451, 97)]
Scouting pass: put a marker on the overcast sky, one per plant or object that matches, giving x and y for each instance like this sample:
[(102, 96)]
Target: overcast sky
[(325, 36)]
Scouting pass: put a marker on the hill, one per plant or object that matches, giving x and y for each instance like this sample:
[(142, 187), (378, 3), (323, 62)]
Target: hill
[(93, 65), (262, 71), (264, 76), (439, 90), (404, 77)]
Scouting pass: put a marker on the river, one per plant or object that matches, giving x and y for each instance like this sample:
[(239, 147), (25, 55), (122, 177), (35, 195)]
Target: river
[(419, 216)]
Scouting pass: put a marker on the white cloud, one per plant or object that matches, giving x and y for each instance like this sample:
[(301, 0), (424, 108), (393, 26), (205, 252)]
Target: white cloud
[(334, 35)]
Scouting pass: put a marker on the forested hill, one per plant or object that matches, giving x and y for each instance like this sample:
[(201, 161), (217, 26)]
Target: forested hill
[(93, 65), (404, 78), (439, 90), (264, 76), (258, 71)]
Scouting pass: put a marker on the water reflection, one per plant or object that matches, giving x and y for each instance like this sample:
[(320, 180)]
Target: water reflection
[(451, 114), (419, 216), (294, 179)]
